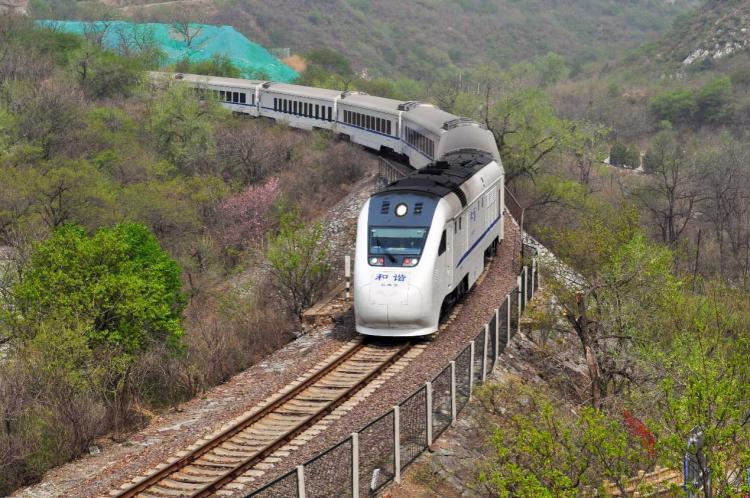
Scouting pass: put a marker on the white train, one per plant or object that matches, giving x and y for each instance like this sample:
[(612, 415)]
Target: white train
[(421, 242)]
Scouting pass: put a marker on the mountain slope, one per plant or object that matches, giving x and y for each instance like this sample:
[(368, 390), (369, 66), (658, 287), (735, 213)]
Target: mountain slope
[(418, 37)]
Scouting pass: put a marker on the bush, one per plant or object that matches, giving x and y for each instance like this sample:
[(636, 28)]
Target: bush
[(623, 155), (119, 284), (675, 106), (298, 260)]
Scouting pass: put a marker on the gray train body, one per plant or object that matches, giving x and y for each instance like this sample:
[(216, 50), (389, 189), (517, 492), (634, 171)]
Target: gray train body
[(421, 242)]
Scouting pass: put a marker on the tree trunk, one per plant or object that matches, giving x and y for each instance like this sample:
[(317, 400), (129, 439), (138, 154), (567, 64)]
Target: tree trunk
[(587, 342)]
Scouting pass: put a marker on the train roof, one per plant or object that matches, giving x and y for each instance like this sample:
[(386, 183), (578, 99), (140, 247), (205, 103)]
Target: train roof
[(371, 102), (429, 117), (208, 80), (302, 91), (443, 177)]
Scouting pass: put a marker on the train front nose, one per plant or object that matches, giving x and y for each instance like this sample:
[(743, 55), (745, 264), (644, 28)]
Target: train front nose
[(389, 303)]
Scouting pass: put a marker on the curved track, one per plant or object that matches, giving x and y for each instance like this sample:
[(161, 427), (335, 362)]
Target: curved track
[(234, 451)]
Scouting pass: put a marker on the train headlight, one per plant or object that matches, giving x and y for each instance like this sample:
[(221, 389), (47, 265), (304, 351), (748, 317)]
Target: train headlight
[(410, 262), (377, 261), (401, 210)]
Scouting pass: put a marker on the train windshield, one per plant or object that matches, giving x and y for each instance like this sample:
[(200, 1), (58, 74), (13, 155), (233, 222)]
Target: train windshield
[(397, 241)]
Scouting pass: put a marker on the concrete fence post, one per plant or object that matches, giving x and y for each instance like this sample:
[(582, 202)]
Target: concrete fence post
[(533, 278), (453, 392), (428, 402), (300, 481), (520, 308), (396, 444), (525, 286), (507, 318), (471, 372), (355, 465), (497, 334), (484, 357)]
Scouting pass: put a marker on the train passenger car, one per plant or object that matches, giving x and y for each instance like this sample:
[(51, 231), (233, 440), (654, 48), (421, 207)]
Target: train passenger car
[(373, 122), (300, 106), (422, 241), (238, 95)]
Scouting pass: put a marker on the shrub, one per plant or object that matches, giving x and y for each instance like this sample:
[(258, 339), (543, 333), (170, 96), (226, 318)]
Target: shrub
[(119, 283), (298, 260)]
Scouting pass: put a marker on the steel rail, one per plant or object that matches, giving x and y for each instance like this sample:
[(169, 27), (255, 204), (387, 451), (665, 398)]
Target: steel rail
[(227, 434), (237, 471)]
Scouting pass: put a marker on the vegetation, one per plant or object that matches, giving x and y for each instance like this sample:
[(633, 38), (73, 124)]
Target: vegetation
[(421, 39), (136, 219)]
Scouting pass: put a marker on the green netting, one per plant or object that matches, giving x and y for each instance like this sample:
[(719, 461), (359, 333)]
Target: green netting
[(252, 59)]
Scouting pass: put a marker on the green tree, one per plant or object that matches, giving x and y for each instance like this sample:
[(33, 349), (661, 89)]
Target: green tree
[(103, 73), (713, 101), (676, 106), (618, 154), (183, 129), (217, 65), (543, 450), (118, 283), (299, 261), (706, 382)]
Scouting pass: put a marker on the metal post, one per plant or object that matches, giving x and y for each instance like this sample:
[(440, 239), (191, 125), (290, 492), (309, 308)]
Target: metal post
[(471, 372), (453, 392), (348, 275), (396, 444), (507, 318), (484, 358), (533, 278), (428, 390), (300, 481), (520, 310), (355, 465), (497, 333), (525, 286)]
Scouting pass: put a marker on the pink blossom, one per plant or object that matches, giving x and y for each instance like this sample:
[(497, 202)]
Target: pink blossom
[(246, 216)]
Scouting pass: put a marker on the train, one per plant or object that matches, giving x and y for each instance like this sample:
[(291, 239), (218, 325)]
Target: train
[(421, 241)]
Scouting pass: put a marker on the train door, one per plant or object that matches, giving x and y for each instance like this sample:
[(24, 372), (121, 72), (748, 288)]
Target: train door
[(445, 257)]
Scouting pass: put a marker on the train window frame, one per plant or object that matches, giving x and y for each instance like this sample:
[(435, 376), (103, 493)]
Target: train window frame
[(317, 111), (330, 112), (252, 99), (307, 109), (275, 102), (243, 98), (443, 244), (235, 97), (388, 126)]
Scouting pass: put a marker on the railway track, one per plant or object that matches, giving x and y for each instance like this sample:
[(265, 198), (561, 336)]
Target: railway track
[(237, 449)]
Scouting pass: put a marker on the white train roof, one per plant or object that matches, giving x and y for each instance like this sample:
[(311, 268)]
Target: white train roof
[(371, 102), (301, 91)]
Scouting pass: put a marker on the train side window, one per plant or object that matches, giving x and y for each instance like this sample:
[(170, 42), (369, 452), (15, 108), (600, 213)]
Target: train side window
[(275, 104), (317, 111), (443, 245), (236, 97), (307, 109), (330, 118), (252, 99), (222, 95), (388, 127)]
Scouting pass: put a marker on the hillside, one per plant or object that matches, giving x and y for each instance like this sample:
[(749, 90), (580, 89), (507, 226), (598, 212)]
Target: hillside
[(420, 37), (718, 30)]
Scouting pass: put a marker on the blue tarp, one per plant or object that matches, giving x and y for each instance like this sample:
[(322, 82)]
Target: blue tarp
[(252, 59)]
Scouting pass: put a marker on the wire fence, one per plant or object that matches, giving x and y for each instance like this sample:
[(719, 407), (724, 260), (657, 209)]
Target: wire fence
[(369, 459)]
